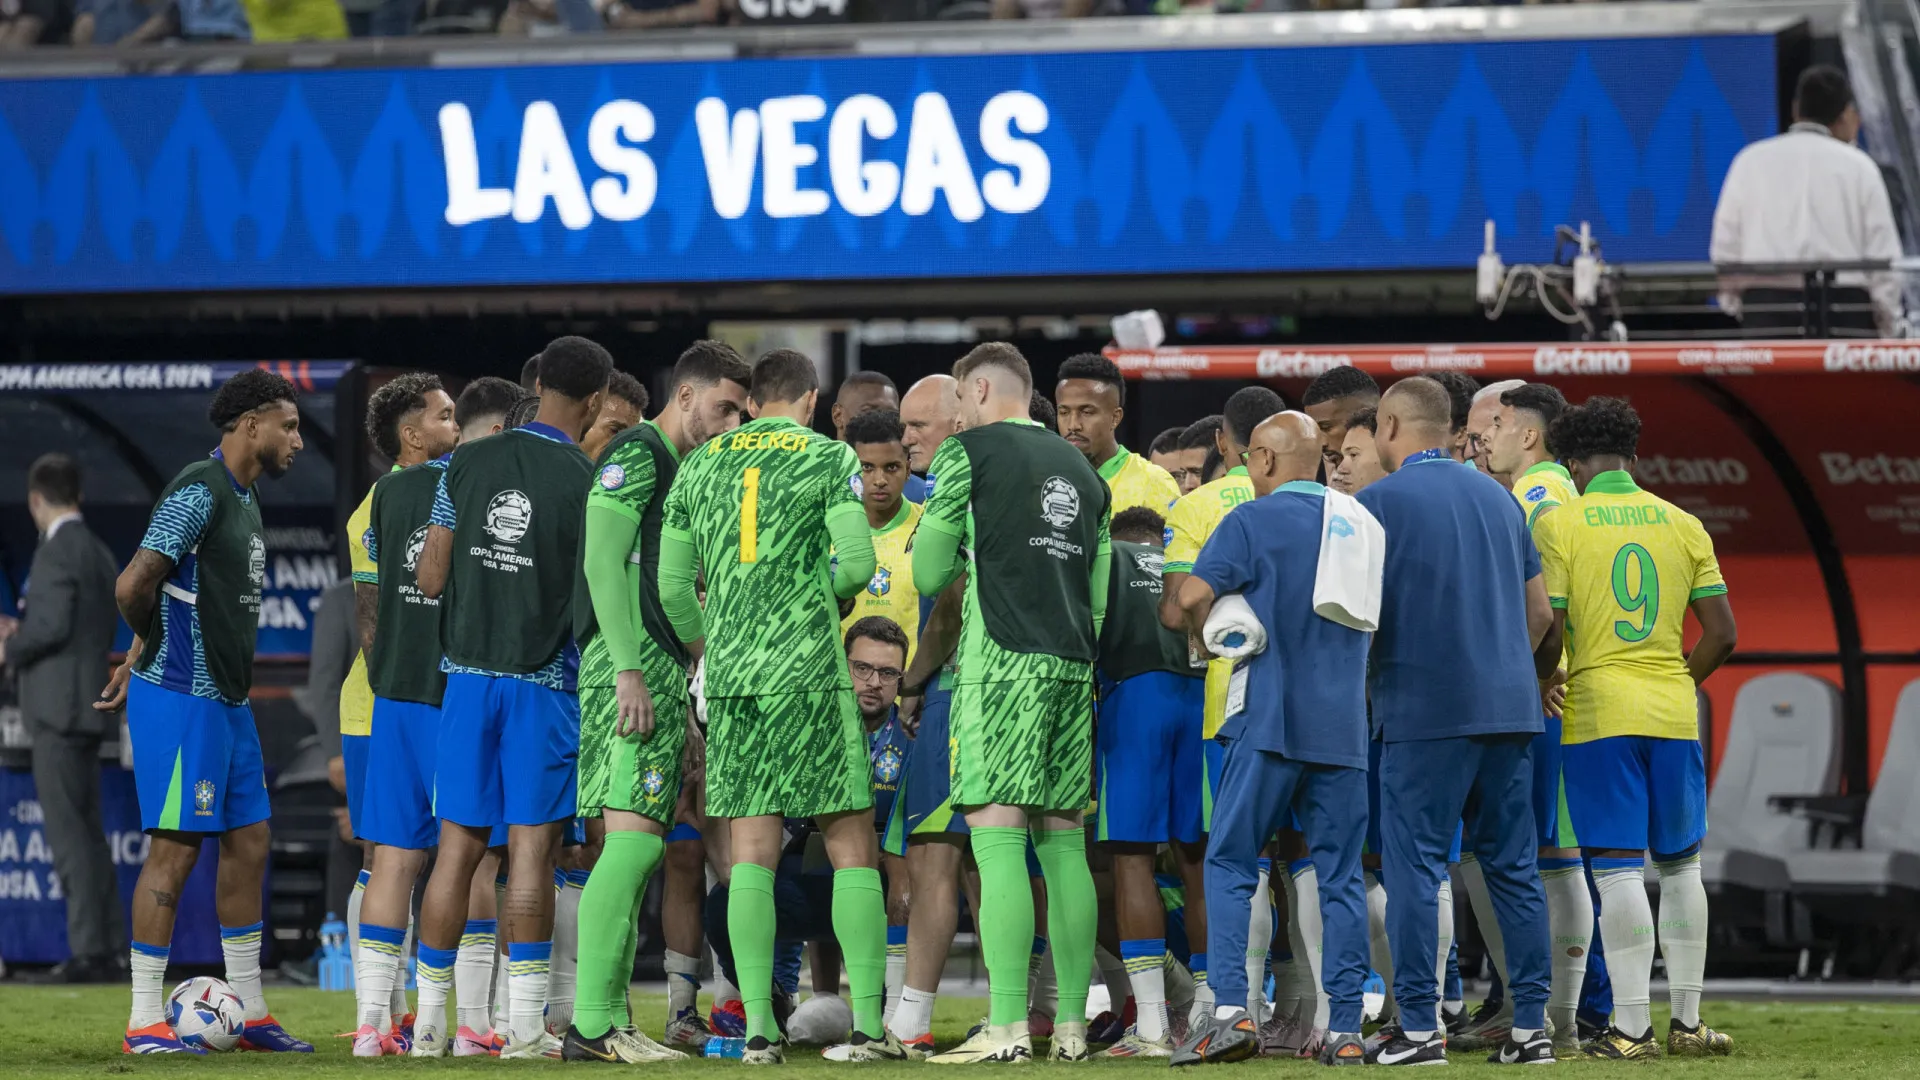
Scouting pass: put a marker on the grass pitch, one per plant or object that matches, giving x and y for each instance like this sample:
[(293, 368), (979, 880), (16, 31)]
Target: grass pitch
[(63, 1032)]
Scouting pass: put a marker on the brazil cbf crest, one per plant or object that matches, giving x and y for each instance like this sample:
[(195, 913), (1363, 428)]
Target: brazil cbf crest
[(654, 782), (886, 767), (203, 797), (882, 582), (509, 515), (1059, 502)]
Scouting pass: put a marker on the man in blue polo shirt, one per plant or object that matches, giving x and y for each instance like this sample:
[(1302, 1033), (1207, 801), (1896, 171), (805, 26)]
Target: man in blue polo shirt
[(1463, 606), (1295, 737)]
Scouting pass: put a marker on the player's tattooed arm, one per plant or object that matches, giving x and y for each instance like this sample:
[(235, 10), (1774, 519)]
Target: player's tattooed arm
[(436, 558), (366, 613), (137, 591)]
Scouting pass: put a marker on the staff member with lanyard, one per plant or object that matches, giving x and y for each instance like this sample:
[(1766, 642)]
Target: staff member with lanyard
[(1463, 606), (1295, 735)]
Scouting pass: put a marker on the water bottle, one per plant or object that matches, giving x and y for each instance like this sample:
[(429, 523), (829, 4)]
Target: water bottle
[(719, 1046), (336, 959)]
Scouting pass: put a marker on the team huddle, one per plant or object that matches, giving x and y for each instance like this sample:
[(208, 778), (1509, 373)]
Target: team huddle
[(1141, 713)]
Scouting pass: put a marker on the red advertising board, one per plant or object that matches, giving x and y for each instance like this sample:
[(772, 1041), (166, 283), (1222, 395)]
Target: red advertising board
[(1534, 360)]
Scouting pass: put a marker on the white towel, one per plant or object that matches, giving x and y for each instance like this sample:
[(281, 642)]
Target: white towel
[(1232, 630), (1353, 551)]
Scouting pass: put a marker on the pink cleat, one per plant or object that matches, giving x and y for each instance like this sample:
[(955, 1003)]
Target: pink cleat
[(371, 1042), (467, 1043)]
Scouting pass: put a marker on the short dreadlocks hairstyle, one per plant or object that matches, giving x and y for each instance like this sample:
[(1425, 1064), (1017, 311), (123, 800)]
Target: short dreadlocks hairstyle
[(401, 397), (1343, 381), (254, 388), (1601, 426)]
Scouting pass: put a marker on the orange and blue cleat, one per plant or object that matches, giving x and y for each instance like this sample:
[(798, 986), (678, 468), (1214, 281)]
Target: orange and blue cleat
[(266, 1036), (155, 1038)]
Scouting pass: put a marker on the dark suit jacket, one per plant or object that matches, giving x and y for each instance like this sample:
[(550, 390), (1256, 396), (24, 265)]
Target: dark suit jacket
[(60, 650)]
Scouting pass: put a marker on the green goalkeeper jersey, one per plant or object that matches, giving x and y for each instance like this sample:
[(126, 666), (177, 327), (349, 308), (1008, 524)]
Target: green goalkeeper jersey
[(760, 510)]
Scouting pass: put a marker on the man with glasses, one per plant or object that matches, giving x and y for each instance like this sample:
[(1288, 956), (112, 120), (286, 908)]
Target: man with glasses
[(1483, 421), (877, 658)]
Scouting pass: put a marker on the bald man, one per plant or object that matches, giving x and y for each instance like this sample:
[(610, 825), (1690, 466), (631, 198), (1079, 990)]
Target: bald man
[(930, 412), (1295, 737), (1457, 704)]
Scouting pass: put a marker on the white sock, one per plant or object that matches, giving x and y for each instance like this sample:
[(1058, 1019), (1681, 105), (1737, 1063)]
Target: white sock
[(683, 983), (397, 1003), (376, 972), (1043, 989), (240, 945), (148, 963), (1445, 897), (529, 965), (473, 975), (1482, 901), (1683, 935), (353, 916), (1570, 929), (1259, 941), (1113, 972), (914, 1017), (502, 1021), (1380, 953), (1221, 1012), (896, 968), (1147, 978), (723, 988), (566, 953), (1626, 929), (437, 971), (1306, 886), (1301, 992)]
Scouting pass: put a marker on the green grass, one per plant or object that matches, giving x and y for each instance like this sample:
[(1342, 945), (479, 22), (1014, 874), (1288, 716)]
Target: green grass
[(62, 1032)]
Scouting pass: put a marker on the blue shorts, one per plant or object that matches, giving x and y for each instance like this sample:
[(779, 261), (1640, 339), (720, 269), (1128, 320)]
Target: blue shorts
[(508, 749), (1549, 792), (196, 761), (924, 804), (353, 754), (1373, 808), (1147, 752), (682, 831), (1637, 793), (399, 776)]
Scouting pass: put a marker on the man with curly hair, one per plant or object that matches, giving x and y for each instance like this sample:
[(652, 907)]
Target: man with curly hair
[(192, 593), (1623, 567)]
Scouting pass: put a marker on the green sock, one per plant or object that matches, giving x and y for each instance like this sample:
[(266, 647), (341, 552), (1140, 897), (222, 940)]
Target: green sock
[(860, 922), (1072, 914), (1006, 917), (622, 1009), (606, 923), (750, 920)]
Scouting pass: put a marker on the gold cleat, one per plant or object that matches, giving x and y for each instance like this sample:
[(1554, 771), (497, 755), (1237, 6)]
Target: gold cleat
[(1618, 1045), (1701, 1041)]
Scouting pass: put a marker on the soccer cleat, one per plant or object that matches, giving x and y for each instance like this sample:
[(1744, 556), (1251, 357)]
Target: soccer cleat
[(1701, 1041), (1039, 1025), (1400, 1050), (1316, 1042), (763, 1051), (1343, 1048), (689, 1029), (920, 1048), (864, 1047), (1215, 1041), (1286, 1034), (578, 1047), (1009, 1044), (642, 1047), (431, 1042), (470, 1043), (1455, 1019), (1488, 1027), (1069, 1042), (1535, 1051), (1106, 1028), (1620, 1046), (1134, 1045), (729, 1018), (155, 1038), (540, 1046), (371, 1042), (266, 1036)]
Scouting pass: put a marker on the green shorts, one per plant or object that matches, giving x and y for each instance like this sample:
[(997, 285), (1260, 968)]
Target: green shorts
[(1026, 742), (796, 755), (631, 774)]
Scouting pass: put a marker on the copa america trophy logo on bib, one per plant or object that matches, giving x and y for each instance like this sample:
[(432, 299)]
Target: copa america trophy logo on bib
[(415, 545), (509, 516), (1059, 502)]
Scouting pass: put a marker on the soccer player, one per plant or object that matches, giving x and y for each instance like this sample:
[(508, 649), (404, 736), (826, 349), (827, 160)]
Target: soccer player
[(1296, 746), (1033, 516), (1187, 464), (625, 404), (410, 422), (1333, 397), (1518, 449), (634, 709), (1189, 524), (1483, 419), (483, 405), (1147, 752), (875, 437), (758, 511), (192, 594), (860, 392), (1457, 707), (1089, 404), (1623, 567), (501, 553), (1164, 451), (1359, 464)]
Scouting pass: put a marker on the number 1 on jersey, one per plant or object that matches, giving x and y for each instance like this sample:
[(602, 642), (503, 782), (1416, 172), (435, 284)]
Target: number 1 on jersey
[(750, 516)]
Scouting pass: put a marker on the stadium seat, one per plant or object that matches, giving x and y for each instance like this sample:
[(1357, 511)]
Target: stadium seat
[(1784, 739), (1888, 858)]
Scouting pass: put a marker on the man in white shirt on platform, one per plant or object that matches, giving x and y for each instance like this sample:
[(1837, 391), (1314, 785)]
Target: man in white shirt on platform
[(1808, 195)]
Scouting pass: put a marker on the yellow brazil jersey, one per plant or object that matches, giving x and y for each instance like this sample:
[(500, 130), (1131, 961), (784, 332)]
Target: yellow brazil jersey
[(1189, 524), (1545, 485), (1624, 564), (1135, 481), (356, 696), (891, 592)]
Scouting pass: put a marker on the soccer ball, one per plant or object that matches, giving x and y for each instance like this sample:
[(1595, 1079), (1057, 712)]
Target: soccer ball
[(821, 1020), (205, 1012)]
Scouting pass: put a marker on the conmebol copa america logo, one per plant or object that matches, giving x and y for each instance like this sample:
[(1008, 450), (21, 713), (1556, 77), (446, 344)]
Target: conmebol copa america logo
[(1059, 502), (415, 545), (509, 515)]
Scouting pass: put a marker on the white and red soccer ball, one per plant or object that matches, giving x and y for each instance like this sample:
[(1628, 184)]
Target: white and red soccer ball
[(206, 1013)]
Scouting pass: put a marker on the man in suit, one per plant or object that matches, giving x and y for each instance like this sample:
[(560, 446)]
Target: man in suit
[(60, 652)]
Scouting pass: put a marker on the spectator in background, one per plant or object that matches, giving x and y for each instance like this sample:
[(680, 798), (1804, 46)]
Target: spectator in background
[(121, 22), (296, 20), (659, 14), (25, 23), (60, 652), (1043, 9), (1808, 195)]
